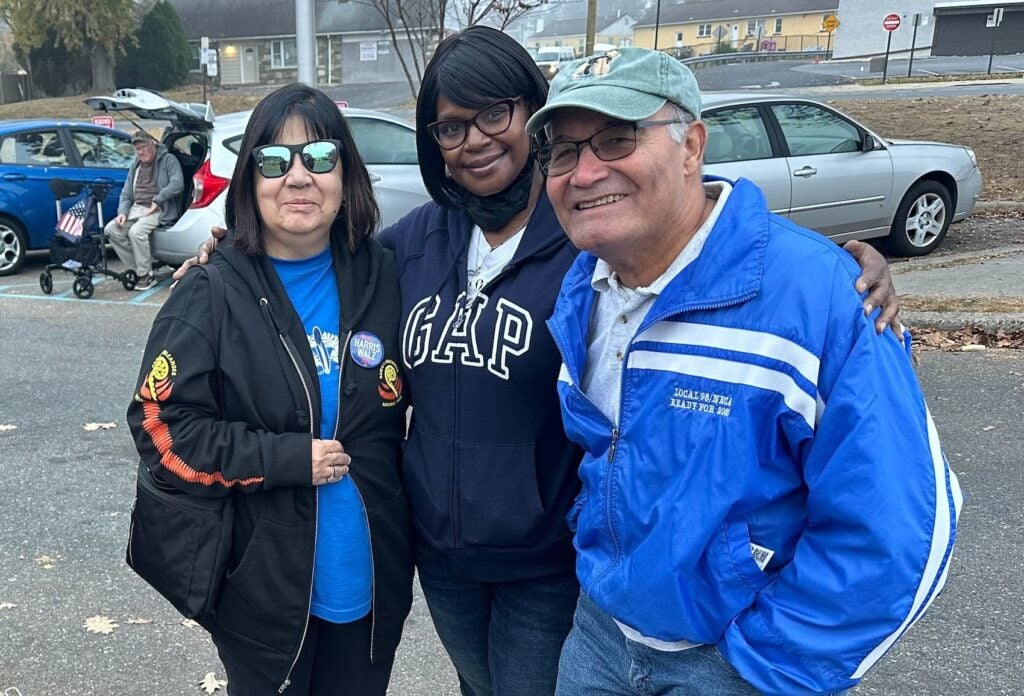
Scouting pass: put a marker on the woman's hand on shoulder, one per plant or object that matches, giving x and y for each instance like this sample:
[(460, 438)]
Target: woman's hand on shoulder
[(877, 281), (202, 255)]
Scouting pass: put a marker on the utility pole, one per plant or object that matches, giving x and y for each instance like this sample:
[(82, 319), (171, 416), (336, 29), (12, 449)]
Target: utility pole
[(657, 24), (305, 40), (591, 26)]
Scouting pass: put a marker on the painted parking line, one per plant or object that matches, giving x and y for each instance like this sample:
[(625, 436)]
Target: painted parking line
[(10, 291), (91, 300), (143, 294)]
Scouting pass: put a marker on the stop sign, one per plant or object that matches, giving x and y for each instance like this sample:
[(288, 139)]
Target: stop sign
[(891, 22)]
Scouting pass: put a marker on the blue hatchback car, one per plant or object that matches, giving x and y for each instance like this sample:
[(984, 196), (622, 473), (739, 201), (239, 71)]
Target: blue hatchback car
[(34, 151)]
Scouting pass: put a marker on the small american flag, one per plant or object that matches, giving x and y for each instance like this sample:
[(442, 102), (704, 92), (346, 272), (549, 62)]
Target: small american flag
[(72, 222)]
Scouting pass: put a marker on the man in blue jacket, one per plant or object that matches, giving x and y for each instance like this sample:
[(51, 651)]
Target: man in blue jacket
[(749, 521)]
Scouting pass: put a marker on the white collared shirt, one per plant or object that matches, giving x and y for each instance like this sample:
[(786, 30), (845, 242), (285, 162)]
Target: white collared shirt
[(617, 314)]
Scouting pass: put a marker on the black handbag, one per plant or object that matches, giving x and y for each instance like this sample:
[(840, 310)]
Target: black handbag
[(179, 543)]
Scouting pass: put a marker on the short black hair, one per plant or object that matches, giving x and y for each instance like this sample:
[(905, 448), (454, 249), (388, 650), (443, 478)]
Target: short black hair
[(359, 214), (474, 68)]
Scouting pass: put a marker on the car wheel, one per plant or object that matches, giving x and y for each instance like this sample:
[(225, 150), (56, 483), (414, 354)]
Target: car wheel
[(921, 220), (13, 246)]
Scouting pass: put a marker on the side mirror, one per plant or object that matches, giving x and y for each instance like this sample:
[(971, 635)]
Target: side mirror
[(867, 142)]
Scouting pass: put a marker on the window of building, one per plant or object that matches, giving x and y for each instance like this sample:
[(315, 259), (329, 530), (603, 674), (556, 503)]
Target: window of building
[(755, 27), (283, 53), (679, 36), (194, 65), (778, 25), (703, 31)]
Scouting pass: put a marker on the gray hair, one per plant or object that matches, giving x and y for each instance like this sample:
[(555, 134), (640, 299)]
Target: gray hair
[(677, 131)]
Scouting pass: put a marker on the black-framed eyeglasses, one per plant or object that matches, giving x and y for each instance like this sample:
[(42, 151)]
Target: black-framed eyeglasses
[(493, 119), (318, 156), (609, 144)]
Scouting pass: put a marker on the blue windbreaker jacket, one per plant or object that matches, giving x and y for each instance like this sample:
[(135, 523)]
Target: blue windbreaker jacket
[(759, 407)]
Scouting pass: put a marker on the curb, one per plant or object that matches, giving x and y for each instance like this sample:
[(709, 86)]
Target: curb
[(999, 205), (951, 321)]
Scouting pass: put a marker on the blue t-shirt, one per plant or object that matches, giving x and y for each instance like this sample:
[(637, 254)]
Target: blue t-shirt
[(342, 574)]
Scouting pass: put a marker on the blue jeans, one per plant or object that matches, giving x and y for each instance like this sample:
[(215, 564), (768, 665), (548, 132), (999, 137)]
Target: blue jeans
[(504, 638), (598, 660)]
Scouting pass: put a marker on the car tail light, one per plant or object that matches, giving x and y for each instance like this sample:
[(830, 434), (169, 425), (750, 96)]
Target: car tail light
[(206, 186)]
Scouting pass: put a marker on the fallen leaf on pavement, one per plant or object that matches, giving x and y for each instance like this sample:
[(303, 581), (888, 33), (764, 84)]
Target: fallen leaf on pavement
[(189, 623), (99, 426), (100, 624), (138, 621), (45, 561), (4, 427), (211, 683), (7, 605)]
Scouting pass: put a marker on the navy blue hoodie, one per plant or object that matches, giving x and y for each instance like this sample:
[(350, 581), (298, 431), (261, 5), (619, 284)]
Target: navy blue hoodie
[(488, 468)]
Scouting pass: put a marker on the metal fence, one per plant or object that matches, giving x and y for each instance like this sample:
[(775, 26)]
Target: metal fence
[(14, 87), (763, 44)]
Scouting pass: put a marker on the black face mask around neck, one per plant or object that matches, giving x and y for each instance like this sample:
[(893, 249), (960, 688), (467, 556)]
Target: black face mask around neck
[(493, 212)]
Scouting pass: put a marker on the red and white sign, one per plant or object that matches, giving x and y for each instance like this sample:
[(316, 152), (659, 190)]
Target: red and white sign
[(106, 121), (891, 22)]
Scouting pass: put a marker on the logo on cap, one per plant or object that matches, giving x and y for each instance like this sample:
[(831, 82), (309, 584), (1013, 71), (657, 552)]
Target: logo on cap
[(598, 65)]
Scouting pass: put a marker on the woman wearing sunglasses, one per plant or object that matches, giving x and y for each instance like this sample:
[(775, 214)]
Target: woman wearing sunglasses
[(295, 406)]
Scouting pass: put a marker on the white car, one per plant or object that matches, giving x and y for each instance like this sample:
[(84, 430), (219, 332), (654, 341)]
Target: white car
[(826, 172), (551, 59), (207, 148)]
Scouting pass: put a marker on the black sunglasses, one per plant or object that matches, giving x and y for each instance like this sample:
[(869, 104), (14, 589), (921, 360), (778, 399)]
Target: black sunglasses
[(493, 119), (318, 156)]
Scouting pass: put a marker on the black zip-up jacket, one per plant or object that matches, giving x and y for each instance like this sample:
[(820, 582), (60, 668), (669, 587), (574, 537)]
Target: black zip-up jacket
[(259, 450), (490, 472)]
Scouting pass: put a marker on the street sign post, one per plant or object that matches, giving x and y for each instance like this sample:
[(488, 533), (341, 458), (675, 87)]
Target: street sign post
[(830, 24), (992, 22), (891, 23), (913, 40)]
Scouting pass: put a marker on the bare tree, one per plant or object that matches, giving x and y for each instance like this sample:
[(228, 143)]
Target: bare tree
[(499, 13), (419, 25), (415, 25)]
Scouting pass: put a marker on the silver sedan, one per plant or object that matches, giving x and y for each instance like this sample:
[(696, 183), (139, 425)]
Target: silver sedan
[(827, 172)]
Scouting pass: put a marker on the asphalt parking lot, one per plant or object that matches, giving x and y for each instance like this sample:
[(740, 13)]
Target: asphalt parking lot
[(65, 493)]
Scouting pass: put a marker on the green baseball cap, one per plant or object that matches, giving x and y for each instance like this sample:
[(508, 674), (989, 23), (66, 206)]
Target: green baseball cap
[(626, 83)]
